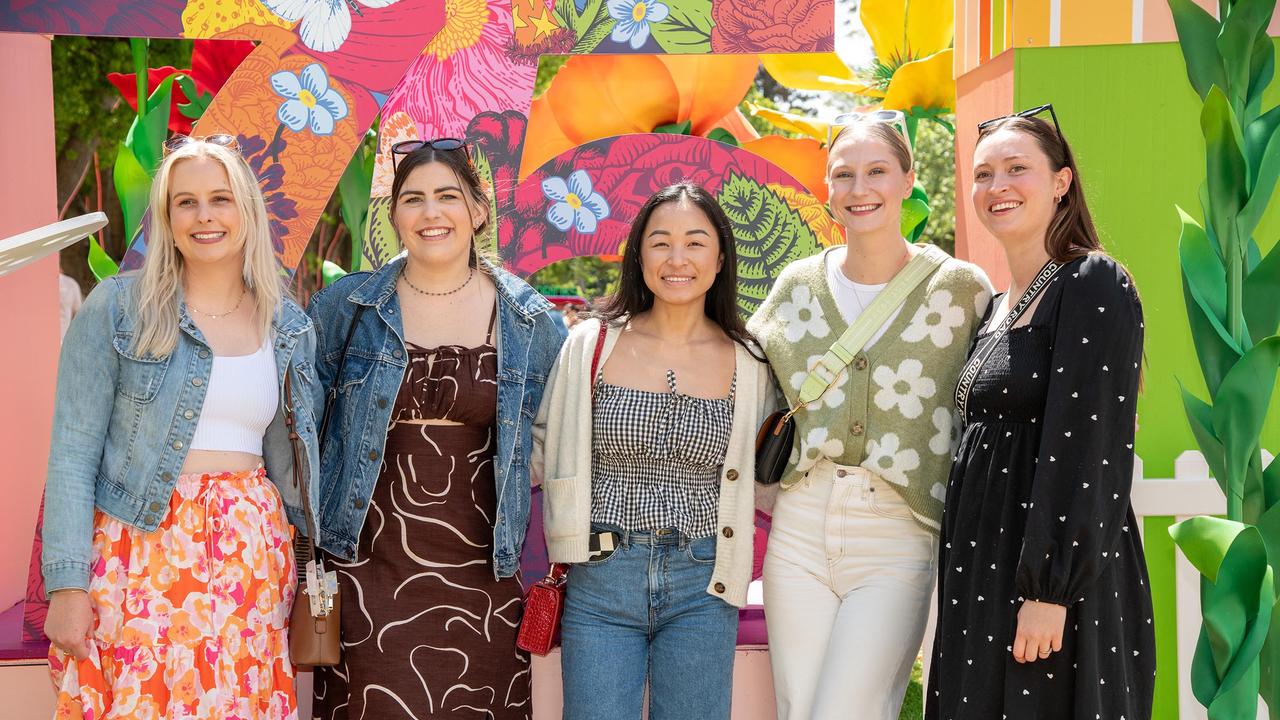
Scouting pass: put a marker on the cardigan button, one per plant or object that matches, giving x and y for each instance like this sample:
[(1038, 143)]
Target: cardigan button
[(718, 587), (731, 475), (728, 532), (857, 429), (860, 363)]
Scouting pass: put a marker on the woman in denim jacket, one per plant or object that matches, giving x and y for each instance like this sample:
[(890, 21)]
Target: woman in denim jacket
[(171, 482), (438, 362)]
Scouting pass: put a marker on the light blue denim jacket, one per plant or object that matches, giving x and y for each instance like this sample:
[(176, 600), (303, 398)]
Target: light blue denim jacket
[(528, 340), (122, 424)]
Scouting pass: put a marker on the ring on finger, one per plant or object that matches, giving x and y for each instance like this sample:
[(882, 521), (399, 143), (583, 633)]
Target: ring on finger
[(1045, 653)]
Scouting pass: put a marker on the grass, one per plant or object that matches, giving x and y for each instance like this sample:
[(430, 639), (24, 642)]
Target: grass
[(913, 703)]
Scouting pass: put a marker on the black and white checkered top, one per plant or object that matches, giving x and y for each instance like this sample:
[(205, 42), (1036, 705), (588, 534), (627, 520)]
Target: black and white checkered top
[(656, 457)]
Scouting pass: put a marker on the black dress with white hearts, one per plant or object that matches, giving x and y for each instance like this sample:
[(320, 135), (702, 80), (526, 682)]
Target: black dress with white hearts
[(1038, 508)]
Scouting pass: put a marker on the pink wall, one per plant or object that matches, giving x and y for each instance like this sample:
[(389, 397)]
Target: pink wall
[(28, 301), (983, 93)]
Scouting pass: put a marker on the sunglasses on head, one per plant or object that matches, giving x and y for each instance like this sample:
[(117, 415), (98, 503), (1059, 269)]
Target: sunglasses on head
[(408, 147), (223, 139), (1029, 112), (896, 118)]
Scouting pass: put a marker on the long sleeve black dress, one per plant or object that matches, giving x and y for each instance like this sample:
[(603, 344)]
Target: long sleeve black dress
[(1038, 508)]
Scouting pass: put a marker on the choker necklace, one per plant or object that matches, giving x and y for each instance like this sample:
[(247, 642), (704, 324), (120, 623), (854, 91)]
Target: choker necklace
[(417, 289), (215, 316)]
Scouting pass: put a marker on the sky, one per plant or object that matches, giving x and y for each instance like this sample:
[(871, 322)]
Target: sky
[(852, 44)]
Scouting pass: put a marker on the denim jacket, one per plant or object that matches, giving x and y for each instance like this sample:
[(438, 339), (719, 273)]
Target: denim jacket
[(528, 340), (122, 424)]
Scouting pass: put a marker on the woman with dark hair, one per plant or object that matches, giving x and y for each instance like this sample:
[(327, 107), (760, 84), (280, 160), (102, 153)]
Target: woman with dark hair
[(1044, 609), (438, 362), (648, 429)]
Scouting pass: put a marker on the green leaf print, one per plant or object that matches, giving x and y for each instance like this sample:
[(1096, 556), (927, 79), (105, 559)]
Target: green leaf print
[(686, 29), (487, 244), (769, 234), (382, 243)]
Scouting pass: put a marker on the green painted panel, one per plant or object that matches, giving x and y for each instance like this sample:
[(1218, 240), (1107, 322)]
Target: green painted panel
[(1133, 122), (1160, 551)]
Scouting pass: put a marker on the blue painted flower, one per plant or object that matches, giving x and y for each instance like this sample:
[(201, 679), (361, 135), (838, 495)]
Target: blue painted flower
[(633, 18), (576, 203), (308, 100)]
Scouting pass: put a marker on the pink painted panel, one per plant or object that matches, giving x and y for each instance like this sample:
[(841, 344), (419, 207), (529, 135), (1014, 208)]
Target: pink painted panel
[(30, 297), (983, 93)]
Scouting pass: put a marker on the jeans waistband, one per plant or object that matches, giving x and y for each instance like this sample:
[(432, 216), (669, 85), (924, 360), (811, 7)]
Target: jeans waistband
[(658, 537)]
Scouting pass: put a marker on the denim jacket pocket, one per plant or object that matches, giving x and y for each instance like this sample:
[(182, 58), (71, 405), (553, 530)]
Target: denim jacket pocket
[(140, 376)]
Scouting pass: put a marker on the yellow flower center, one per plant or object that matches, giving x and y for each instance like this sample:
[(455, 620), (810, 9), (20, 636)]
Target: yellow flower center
[(464, 21), (639, 11), (574, 201), (307, 98)]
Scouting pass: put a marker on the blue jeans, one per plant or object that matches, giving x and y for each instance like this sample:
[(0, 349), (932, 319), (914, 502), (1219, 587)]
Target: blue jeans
[(644, 613)]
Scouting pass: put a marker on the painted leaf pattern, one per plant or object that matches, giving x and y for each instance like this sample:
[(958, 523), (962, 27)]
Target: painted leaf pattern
[(770, 234)]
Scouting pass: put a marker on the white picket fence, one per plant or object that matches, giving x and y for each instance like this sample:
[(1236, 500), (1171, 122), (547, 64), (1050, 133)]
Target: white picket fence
[(1192, 491)]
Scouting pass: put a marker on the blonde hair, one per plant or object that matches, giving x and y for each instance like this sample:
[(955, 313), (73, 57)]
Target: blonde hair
[(882, 131), (161, 276)]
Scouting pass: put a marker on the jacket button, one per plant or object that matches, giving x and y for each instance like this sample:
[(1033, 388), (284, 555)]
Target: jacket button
[(177, 444), (197, 381), (728, 532), (359, 503), (718, 587), (382, 402), (189, 414), (397, 354), (149, 520), (731, 475), (856, 429), (373, 454), (166, 476), (204, 354), (155, 507), (860, 363)]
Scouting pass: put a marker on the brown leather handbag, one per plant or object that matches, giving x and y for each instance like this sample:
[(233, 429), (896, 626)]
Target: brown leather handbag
[(314, 637)]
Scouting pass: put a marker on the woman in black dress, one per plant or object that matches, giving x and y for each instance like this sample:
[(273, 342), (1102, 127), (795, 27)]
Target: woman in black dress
[(1044, 606)]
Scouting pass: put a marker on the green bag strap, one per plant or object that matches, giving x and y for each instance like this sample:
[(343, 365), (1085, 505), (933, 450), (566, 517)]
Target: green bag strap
[(828, 369)]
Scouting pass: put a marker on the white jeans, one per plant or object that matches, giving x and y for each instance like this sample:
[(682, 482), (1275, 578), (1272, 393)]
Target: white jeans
[(848, 579)]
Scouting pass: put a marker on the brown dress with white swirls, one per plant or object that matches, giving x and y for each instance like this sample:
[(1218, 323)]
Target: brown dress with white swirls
[(426, 630)]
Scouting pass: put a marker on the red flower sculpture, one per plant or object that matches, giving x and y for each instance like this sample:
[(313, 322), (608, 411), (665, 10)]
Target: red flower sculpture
[(761, 26), (212, 62)]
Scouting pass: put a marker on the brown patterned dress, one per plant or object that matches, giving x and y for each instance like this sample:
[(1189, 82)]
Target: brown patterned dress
[(426, 630)]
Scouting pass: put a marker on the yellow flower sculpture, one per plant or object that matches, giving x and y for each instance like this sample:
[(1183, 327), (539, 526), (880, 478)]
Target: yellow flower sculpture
[(912, 70)]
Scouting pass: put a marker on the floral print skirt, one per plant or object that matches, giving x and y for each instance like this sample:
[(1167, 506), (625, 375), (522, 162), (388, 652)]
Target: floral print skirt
[(190, 621)]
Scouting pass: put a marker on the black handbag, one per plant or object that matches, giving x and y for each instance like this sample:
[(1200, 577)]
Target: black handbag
[(773, 446)]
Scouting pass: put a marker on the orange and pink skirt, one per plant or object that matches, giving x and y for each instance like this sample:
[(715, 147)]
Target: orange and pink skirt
[(189, 620)]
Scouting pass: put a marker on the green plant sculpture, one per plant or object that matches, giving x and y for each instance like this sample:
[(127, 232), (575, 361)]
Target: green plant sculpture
[(1232, 295)]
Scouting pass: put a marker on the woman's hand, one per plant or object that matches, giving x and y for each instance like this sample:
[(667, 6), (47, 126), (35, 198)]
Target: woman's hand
[(1039, 631), (69, 622)]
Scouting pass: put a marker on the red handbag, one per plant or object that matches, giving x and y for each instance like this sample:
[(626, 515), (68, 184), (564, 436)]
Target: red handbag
[(544, 600)]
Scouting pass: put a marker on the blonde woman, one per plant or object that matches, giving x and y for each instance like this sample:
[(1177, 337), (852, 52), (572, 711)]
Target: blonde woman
[(850, 565), (167, 554)]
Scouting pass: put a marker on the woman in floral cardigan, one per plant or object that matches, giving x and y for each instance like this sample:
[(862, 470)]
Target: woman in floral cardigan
[(852, 552)]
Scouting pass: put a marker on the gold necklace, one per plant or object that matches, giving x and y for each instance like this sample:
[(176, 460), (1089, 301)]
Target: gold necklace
[(215, 316)]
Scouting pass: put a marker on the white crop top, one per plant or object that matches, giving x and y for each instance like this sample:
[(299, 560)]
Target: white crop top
[(241, 401)]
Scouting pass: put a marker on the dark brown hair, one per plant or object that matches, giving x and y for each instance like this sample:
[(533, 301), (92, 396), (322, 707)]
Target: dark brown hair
[(634, 296), (468, 178), (1071, 232)]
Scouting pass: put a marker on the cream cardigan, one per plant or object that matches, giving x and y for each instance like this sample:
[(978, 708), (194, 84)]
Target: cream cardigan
[(562, 458)]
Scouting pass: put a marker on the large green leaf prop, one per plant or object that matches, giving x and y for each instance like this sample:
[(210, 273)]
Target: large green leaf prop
[(1232, 295)]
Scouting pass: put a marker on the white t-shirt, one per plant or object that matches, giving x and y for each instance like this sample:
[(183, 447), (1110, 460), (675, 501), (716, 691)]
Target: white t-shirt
[(851, 297)]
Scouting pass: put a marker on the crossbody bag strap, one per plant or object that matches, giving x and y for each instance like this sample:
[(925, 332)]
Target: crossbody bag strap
[(332, 395), (971, 368), (842, 352)]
